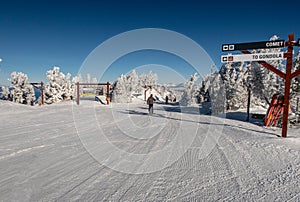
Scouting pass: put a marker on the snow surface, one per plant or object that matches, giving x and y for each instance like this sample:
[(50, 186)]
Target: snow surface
[(117, 152)]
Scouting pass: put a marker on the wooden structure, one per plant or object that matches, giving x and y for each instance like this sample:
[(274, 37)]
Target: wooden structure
[(92, 84), (288, 76)]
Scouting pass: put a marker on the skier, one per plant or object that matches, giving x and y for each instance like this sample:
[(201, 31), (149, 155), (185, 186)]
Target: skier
[(150, 102)]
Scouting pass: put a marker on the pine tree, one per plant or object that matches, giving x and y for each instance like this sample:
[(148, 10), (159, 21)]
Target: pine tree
[(88, 78), (23, 91), (228, 75), (241, 88), (217, 94), (296, 66), (94, 80), (68, 87), (296, 81), (142, 83), (59, 87), (122, 93), (5, 93), (125, 86), (265, 82), (188, 98), (133, 81), (75, 80), (151, 79), (147, 80)]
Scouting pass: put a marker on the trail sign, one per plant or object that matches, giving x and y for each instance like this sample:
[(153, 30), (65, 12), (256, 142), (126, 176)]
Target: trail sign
[(288, 75), (253, 45), (252, 57)]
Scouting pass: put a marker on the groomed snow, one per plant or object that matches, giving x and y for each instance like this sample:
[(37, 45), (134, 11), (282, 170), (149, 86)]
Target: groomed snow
[(65, 152)]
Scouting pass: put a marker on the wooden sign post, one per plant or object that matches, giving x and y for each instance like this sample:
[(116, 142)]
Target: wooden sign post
[(93, 84), (288, 75)]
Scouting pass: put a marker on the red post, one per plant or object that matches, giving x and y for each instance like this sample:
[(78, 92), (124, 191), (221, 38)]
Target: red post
[(78, 94), (107, 94), (42, 91), (145, 98), (289, 64)]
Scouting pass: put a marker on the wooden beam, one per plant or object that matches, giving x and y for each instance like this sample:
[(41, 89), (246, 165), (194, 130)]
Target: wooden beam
[(295, 73), (287, 87)]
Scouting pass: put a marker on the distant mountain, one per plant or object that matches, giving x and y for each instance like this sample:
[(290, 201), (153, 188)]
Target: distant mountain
[(178, 87)]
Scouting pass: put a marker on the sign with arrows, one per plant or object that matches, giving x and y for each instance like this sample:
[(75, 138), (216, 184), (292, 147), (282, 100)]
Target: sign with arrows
[(252, 57), (253, 45), (288, 75)]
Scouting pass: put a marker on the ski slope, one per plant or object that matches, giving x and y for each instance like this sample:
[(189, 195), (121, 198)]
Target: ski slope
[(117, 152)]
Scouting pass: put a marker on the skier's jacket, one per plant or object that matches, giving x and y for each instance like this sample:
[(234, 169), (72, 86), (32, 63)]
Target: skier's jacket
[(150, 100)]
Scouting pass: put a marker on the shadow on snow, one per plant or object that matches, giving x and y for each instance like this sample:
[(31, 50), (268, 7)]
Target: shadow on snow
[(239, 116)]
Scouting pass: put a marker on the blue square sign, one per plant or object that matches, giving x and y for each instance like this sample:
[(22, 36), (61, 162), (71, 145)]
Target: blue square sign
[(231, 47)]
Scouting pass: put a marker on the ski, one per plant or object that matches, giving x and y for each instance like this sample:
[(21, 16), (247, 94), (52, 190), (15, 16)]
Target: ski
[(270, 112), (278, 110)]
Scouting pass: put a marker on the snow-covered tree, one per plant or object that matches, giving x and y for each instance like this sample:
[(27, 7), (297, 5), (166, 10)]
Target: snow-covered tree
[(122, 92), (142, 83), (5, 92), (88, 78), (147, 80), (296, 66), (78, 78), (188, 97), (229, 76), (133, 80), (23, 91), (68, 87), (126, 85), (240, 96), (53, 90), (59, 87), (151, 79), (264, 82), (296, 81), (75, 80), (94, 80), (217, 94)]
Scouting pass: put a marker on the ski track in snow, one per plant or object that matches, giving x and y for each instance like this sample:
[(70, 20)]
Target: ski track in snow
[(43, 159)]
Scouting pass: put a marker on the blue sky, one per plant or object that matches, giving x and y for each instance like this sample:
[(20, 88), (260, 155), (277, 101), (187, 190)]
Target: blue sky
[(37, 35)]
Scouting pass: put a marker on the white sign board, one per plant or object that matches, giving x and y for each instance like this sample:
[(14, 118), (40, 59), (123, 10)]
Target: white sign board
[(252, 57)]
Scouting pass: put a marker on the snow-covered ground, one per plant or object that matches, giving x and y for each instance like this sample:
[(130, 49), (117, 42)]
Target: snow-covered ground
[(117, 152)]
